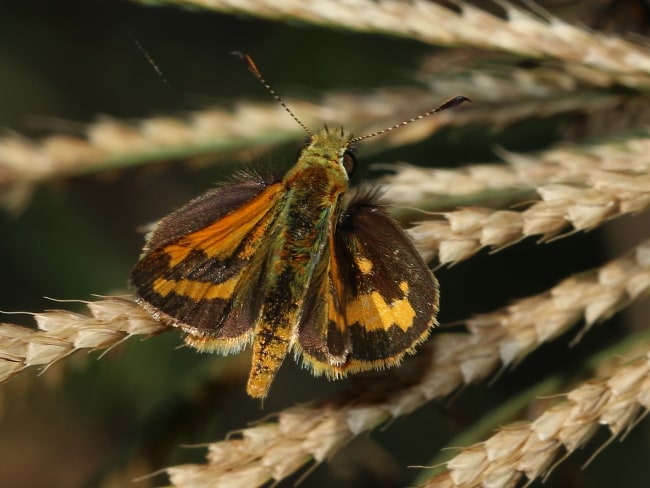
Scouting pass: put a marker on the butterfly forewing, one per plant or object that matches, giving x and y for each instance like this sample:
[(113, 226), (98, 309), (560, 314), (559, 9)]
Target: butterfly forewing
[(201, 279)]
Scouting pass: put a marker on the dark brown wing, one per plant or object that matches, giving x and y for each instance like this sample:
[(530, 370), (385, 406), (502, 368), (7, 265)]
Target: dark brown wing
[(376, 301), (198, 269)]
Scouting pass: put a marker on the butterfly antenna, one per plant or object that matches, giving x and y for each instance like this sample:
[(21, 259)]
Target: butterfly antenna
[(136, 42), (451, 103), (253, 69)]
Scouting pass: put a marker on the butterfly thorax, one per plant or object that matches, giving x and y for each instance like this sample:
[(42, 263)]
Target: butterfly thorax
[(308, 213), (324, 152)]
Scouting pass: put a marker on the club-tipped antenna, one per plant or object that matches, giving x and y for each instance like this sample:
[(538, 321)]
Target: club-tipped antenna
[(451, 103), (253, 69)]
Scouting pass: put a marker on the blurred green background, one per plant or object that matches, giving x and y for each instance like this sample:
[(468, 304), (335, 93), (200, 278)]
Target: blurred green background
[(102, 422)]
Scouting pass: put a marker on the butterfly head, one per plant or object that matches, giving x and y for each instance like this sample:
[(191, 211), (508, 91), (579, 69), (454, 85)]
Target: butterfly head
[(333, 146)]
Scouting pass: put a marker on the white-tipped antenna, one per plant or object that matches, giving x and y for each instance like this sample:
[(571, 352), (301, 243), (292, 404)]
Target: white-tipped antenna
[(253, 69), (451, 103)]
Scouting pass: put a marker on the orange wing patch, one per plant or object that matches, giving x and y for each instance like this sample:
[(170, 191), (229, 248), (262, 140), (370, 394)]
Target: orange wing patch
[(192, 282), (220, 239)]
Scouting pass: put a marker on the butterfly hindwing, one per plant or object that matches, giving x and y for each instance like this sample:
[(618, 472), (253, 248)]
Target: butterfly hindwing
[(196, 259), (378, 301), (313, 346)]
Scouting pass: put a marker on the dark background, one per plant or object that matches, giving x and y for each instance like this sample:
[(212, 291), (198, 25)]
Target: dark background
[(90, 422)]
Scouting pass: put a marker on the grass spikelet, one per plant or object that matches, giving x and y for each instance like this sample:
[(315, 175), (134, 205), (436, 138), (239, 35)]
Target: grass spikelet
[(61, 333)]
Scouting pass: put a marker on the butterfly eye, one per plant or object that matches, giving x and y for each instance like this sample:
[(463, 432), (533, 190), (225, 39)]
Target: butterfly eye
[(349, 162)]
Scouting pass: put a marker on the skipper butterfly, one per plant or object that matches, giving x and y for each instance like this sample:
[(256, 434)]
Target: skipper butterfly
[(294, 265)]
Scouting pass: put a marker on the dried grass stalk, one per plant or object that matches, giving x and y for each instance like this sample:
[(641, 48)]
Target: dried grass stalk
[(61, 333), (110, 143), (521, 32), (601, 196), (274, 450), (491, 79), (530, 449), (495, 84), (113, 144), (573, 164)]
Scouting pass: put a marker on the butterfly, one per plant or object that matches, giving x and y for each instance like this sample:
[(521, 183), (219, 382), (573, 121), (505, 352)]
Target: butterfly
[(294, 265)]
